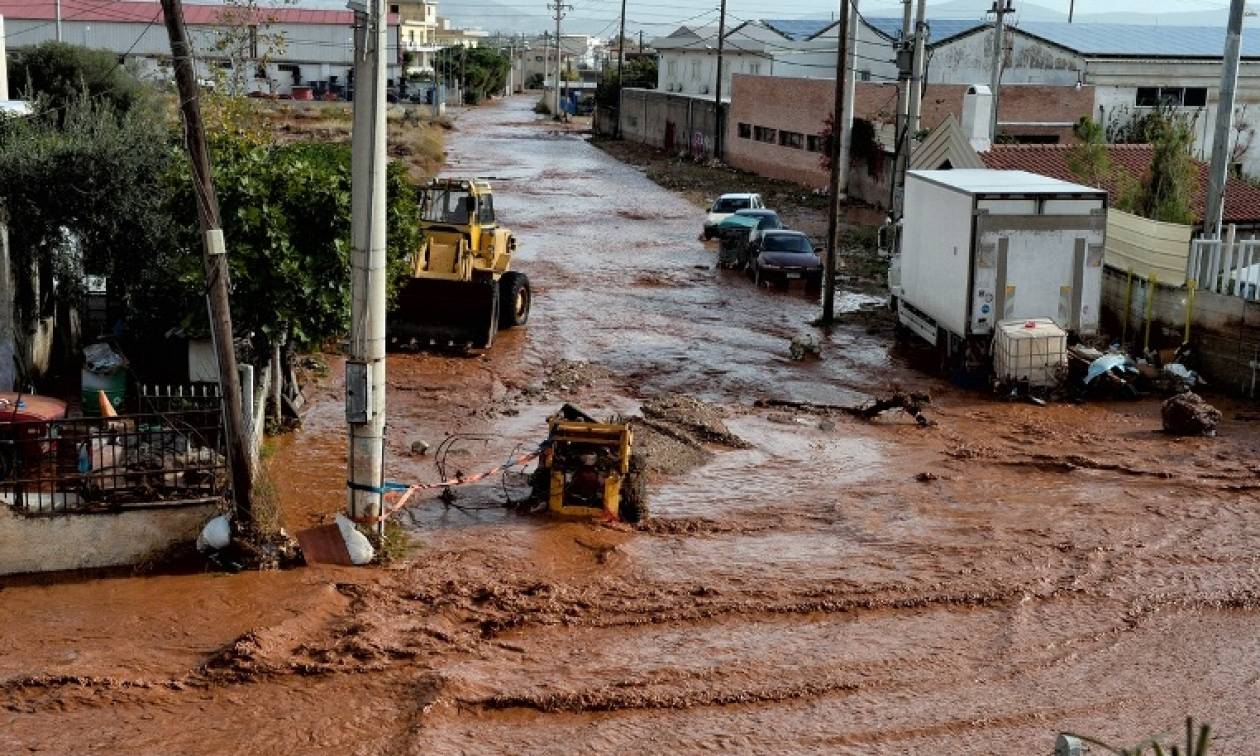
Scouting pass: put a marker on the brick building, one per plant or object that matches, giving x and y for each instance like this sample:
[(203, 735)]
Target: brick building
[(774, 124)]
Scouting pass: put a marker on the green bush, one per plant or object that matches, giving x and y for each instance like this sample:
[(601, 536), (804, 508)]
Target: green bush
[(56, 74)]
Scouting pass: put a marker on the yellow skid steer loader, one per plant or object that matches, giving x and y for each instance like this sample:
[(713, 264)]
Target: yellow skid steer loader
[(461, 290)]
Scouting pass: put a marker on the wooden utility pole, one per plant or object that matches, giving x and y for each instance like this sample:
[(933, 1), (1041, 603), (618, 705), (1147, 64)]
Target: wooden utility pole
[(833, 211), (365, 368), (1224, 121), (999, 10), (717, 90), (621, 63), (214, 257)]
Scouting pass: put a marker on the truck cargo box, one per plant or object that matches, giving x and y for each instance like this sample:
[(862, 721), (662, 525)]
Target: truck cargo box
[(982, 246)]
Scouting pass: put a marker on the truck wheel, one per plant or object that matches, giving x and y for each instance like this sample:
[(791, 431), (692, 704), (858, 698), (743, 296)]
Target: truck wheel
[(515, 299)]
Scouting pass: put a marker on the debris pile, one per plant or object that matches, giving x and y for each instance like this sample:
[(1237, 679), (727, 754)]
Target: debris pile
[(1188, 415), (673, 432)]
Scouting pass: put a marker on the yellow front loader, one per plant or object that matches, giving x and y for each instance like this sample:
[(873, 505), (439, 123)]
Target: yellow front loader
[(586, 469), (461, 290)]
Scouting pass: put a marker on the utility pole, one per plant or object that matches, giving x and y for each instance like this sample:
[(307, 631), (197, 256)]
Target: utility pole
[(214, 259), (58, 12), (833, 211), (850, 88), (1224, 121), (717, 90), (559, 9), (365, 368), (640, 41), (1071, 10), (904, 72), (916, 78), (999, 10), (621, 62)]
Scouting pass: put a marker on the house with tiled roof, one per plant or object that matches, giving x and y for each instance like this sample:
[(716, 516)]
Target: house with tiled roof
[(953, 145)]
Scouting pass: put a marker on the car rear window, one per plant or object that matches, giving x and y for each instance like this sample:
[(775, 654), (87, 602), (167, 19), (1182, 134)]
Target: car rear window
[(770, 223), (785, 243), (730, 204)]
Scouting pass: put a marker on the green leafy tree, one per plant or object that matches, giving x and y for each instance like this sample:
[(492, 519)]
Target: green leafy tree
[(1173, 174), (482, 72), (640, 73), (1088, 158), (56, 74)]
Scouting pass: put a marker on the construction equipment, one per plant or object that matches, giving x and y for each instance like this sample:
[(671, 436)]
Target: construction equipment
[(586, 469), (461, 290)]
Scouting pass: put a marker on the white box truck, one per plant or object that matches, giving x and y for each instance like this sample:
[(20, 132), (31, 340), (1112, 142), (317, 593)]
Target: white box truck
[(982, 246)]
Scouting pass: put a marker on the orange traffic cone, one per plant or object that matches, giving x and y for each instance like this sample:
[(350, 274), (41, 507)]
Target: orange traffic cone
[(107, 409)]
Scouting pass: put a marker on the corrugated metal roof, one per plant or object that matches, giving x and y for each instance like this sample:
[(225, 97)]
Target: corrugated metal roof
[(798, 28), (1143, 41), (146, 12), (939, 29)]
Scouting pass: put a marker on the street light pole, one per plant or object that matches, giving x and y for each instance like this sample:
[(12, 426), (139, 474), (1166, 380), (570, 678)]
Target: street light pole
[(621, 62), (365, 368)]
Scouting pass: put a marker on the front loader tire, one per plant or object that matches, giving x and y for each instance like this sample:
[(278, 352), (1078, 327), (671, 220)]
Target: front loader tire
[(515, 298), (634, 505)]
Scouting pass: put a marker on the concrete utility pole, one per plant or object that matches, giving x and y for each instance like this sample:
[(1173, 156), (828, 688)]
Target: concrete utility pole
[(916, 77), (559, 9), (850, 88), (8, 329), (214, 257), (365, 368), (717, 90), (1071, 10), (1224, 121), (58, 12), (999, 10), (837, 136), (621, 63), (904, 73)]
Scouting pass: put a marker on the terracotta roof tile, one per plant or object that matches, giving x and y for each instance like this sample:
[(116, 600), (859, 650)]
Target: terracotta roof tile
[(1242, 200)]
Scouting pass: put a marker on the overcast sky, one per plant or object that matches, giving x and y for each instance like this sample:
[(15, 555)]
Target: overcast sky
[(661, 16)]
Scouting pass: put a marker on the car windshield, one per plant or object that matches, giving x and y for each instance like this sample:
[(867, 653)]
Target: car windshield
[(787, 243), (731, 204), (446, 206)]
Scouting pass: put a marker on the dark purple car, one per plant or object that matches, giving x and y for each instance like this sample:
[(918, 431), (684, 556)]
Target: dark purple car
[(786, 256)]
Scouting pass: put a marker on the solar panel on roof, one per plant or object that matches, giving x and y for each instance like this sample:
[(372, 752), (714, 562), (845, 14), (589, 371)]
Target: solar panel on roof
[(938, 29), (799, 28), (1131, 39)]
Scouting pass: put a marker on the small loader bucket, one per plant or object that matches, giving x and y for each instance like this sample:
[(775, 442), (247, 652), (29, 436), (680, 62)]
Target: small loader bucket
[(441, 313)]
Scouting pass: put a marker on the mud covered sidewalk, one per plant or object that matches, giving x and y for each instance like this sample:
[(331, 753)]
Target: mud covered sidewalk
[(811, 582)]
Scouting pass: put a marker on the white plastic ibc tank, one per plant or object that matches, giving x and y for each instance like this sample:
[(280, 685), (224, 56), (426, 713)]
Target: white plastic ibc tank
[(1034, 350)]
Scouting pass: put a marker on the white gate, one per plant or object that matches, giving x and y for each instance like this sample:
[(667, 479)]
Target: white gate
[(1226, 266)]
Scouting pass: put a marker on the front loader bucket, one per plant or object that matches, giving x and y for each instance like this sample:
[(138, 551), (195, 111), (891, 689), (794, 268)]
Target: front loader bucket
[(433, 312)]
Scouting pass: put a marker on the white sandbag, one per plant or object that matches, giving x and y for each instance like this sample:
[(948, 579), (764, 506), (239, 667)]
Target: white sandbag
[(216, 534), (357, 544)]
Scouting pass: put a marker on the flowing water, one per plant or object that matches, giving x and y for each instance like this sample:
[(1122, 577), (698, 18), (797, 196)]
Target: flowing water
[(837, 586)]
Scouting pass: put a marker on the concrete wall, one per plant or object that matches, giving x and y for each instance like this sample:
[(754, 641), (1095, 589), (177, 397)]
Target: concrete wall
[(677, 123), (86, 541), (694, 71), (1224, 331)]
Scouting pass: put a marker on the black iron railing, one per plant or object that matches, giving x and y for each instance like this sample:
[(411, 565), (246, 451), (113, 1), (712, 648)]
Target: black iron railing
[(105, 464)]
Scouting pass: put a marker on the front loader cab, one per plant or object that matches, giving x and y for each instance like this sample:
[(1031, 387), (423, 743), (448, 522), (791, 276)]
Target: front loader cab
[(462, 289)]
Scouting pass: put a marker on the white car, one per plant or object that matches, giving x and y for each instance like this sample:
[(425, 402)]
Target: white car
[(726, 206)]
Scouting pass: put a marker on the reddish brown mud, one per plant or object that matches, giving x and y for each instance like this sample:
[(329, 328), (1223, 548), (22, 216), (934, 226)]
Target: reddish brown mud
[(825, 585)]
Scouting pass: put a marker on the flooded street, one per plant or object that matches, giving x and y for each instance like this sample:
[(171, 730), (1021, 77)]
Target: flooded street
[(840, 586)]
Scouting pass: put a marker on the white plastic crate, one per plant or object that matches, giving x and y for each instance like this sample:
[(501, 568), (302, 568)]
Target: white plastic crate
[(1033, 350)]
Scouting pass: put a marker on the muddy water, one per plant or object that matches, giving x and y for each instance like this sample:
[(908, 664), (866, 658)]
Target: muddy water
[(1056, 568)]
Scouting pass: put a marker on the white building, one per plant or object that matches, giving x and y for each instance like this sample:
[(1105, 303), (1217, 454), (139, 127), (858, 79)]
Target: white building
[(299, 46), (687, 58), (417, 34), (449, 35)]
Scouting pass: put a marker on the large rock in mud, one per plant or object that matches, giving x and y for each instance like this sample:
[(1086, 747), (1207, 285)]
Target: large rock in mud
[(1188, 415)]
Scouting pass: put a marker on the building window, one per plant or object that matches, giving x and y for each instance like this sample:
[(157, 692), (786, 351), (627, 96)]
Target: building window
[(671, 67), (393, 9), (754, 69), (1176, 97), (791, 139), (813, 143), (763, 134), (864, 75), (695, 70), (745, 131)]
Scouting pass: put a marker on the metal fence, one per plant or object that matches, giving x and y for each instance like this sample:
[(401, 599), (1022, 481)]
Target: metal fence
[(82, 465), (1226, 268)]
